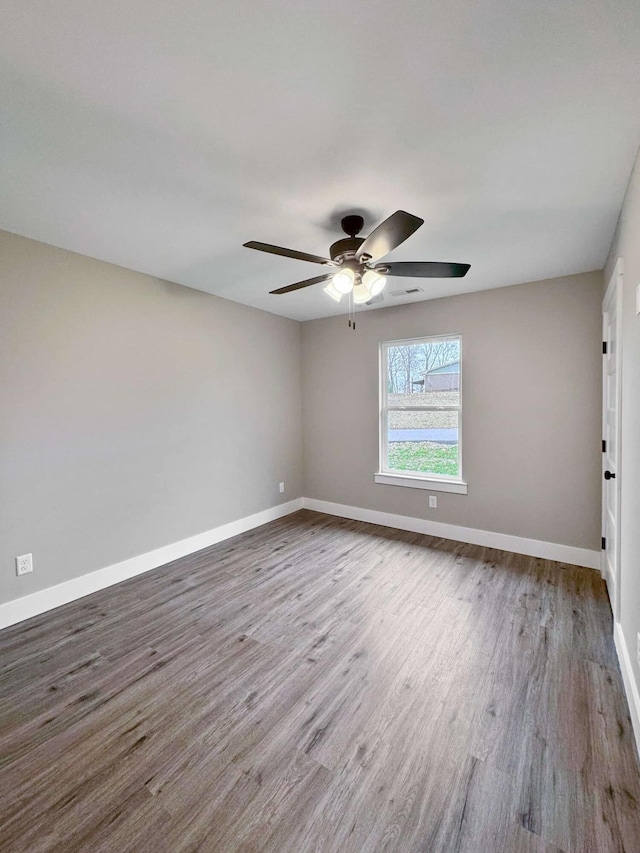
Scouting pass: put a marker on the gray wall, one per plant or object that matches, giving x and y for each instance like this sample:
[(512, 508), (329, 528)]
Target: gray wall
[(134, 413), (626, 244), (531, 409)]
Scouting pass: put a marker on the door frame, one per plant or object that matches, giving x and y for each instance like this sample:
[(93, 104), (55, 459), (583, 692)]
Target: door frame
[(613, 292)]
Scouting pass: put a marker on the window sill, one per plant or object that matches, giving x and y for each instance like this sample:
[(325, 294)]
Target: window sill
[(458, 487)]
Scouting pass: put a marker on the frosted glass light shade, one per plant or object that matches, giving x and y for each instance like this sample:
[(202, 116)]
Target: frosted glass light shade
[(343, 281), (361, 294), (330, 290), (374, 282)]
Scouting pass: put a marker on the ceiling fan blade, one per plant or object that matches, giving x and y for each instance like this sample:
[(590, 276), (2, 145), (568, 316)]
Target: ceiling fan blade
[(389, 234), (425, 269), (287, 253), (300, 284)]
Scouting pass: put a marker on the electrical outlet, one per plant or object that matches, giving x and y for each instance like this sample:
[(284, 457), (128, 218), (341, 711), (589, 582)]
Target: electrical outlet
[(281, 488), (433, 502), (24, 564)]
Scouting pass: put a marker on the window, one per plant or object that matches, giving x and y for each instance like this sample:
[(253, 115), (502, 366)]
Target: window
[(420, 414)]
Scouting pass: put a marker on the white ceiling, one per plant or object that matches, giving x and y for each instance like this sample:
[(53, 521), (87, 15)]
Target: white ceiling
[(162, 135)]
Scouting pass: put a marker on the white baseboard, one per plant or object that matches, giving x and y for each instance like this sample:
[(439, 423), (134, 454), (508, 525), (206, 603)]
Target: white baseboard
[(55, 596), (630, 686), (502, 541), (47, 599)]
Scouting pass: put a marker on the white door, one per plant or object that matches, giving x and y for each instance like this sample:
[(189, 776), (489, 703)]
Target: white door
[(611, 438)]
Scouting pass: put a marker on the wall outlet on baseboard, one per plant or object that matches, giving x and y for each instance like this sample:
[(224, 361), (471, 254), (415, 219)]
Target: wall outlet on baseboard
[(281, 488), (433, 502), (24, 564)]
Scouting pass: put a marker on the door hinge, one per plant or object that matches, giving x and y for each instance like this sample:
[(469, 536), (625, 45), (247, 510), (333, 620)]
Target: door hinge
[(604, 446), (603, 544), (604, 347)]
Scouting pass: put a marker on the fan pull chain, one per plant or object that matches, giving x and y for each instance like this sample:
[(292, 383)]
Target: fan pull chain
[(352, 312)]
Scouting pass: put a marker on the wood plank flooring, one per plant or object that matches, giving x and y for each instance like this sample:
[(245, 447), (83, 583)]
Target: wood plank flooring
[(320, 685)]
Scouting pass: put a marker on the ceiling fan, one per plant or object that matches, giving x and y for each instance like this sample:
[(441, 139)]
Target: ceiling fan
[(354, 260)]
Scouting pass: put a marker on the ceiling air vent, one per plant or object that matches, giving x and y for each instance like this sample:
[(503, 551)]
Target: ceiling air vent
[(408, 292)]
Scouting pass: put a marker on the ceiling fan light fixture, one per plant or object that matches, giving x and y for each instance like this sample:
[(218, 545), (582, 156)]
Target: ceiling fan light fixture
[(355, 269), (331, 291), (374, 282), (343, 281), (361, 294)]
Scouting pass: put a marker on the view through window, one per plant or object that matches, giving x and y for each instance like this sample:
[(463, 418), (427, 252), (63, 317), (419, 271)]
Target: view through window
[(421, 407)]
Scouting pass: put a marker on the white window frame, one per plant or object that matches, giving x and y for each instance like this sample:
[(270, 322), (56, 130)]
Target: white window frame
[(390, 477)]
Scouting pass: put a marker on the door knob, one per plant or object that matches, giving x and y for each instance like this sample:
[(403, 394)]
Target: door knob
[(608, 475)]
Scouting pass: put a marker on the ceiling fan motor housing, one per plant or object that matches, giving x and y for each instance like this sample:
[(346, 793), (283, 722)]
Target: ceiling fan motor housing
[(345, 248)]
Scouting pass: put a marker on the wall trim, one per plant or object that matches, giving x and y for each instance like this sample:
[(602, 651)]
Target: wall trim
[(502, 541), (54, 596), (610, 581), (630, 686)]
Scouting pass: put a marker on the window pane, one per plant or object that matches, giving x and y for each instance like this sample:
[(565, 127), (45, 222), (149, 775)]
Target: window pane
[(414, 422), (424, 374), (428, 398), (423, 442)]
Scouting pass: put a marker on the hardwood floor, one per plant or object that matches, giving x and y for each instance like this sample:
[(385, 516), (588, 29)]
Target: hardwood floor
[(322, 686)]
